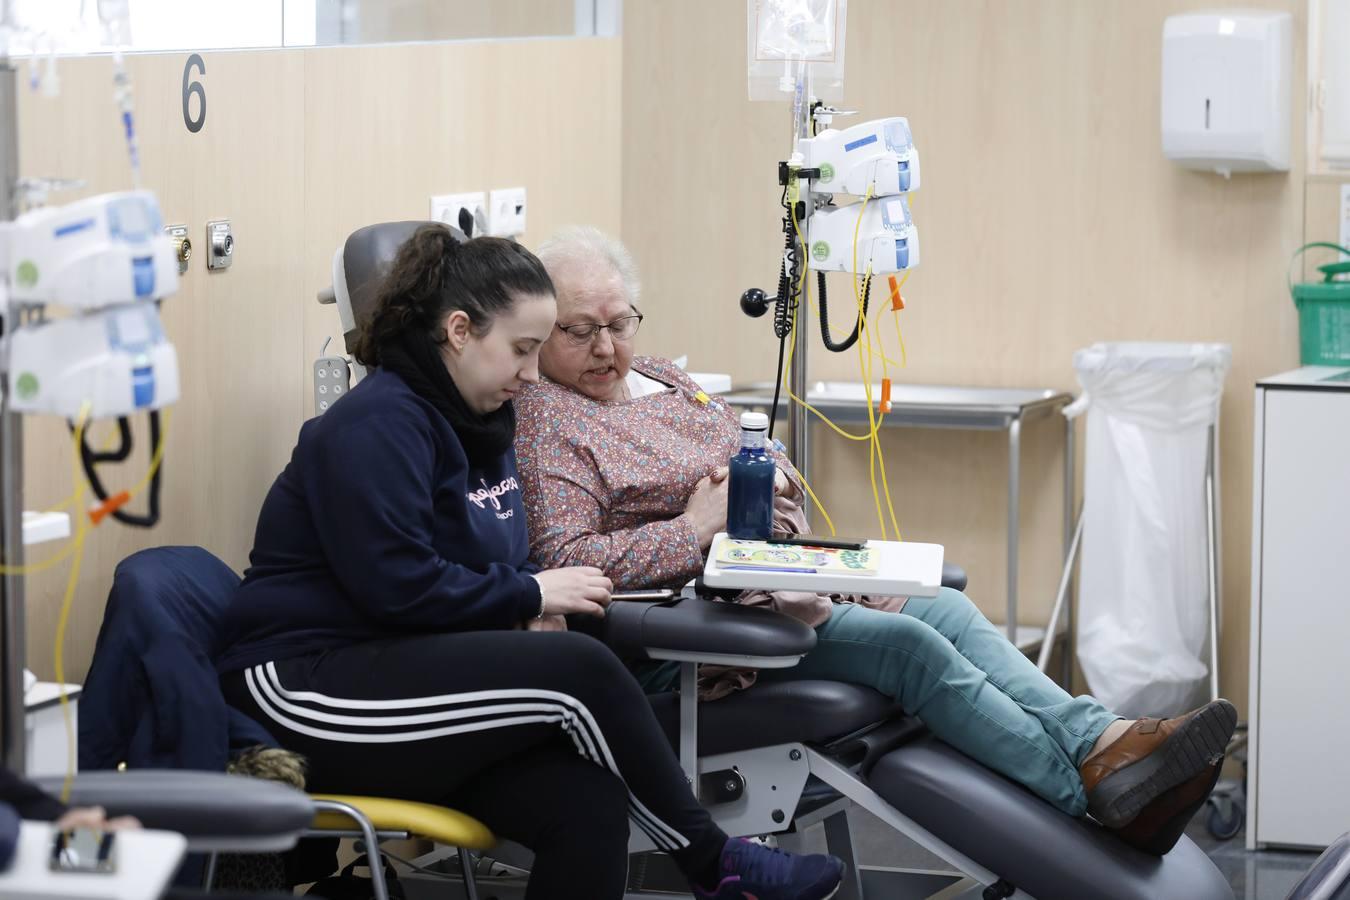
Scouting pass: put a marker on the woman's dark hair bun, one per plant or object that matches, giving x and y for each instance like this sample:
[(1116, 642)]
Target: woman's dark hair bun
[(436, 273)]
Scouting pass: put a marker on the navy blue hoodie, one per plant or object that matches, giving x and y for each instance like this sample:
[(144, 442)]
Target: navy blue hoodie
[(379, 527)]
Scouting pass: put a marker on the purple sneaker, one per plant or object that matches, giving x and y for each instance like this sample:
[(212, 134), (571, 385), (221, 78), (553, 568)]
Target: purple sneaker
[(752, 871)]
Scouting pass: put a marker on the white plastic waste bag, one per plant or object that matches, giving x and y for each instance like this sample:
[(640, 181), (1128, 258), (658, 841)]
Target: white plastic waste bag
[(1143, 608)]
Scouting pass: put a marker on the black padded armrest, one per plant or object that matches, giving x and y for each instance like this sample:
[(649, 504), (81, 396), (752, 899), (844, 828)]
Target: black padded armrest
[(953, 576), (214, 811), (698, 630), (701, 630)]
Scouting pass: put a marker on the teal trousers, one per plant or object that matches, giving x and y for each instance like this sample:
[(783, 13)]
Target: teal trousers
[(943, 662)]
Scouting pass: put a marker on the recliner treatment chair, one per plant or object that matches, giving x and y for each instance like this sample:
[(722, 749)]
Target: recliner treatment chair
[(752, 754)]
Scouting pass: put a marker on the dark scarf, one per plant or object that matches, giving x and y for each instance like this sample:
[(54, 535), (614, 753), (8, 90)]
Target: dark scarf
[(417, 360)]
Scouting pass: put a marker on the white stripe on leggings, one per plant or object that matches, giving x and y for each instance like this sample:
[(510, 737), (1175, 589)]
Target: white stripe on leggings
[(547, 707), (661, 834), (582, 726)]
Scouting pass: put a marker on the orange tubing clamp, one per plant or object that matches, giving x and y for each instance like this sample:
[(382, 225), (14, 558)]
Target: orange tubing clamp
[(115, 502), (897, 302)]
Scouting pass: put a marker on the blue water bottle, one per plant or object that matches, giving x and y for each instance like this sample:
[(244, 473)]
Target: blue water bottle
[(750, 492)]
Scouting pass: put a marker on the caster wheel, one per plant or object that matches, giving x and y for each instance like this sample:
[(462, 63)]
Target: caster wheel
[(1227, 815)]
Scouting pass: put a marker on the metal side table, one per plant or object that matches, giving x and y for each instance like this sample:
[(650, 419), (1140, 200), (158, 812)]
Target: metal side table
[(979, 409)]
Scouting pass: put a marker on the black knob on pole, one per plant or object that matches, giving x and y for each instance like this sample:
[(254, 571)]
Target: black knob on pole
[(754, 304)]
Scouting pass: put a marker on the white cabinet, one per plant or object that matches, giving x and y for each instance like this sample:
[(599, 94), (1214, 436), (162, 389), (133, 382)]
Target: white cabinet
[(49, 747), (1300, 668)]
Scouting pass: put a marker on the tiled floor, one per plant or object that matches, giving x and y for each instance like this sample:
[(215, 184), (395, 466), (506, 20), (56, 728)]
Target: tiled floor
[(1254, 875)]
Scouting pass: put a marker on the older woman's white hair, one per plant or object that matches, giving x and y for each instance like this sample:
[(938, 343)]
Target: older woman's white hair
[(582, 246)]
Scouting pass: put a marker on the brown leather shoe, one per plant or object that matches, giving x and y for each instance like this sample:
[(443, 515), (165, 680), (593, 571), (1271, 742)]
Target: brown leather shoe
[(1160, 825), (1152, 757)]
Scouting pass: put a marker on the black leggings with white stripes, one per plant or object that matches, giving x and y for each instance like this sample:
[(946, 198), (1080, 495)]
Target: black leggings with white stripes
[(544, 737)]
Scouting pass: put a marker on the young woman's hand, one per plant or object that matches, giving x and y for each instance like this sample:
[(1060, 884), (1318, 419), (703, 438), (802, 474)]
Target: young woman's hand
[(707, 507), (577, 589), (96, 819)]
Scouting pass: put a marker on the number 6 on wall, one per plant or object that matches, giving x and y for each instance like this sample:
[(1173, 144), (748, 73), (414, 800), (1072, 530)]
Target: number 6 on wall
[(191, 87)]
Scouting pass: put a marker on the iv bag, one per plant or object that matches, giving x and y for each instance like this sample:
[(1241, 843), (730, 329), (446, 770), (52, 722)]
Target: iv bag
[(795, 29), (782, 34)]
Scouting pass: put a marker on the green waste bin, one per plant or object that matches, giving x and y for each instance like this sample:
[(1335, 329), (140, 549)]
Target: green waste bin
[(1323, 312)]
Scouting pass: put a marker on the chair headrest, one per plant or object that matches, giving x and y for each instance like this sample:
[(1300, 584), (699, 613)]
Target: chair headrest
[(363, 262)]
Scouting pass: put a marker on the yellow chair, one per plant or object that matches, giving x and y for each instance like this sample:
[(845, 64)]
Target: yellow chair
[(380, 819)]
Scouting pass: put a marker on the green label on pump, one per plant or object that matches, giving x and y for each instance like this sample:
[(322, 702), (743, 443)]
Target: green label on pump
[(826, 172), (820, 250), (27, 386), (26, 274)]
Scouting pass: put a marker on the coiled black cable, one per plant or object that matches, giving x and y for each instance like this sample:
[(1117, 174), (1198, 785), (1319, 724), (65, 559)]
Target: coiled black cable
[(830, 343), (89, 460), (123, 446)]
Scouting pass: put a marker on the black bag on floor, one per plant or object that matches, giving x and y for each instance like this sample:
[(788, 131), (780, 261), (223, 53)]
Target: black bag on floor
[(347, 885)]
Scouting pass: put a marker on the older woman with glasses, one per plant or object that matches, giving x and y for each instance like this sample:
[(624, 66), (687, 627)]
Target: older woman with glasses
[(623, 464)]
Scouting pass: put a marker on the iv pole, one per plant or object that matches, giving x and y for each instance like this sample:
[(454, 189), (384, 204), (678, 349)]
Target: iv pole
[(11, 462), (798, 424), (788, 305)]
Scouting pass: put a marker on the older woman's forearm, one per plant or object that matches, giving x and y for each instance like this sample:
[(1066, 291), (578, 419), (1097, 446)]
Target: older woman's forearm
[(659, 554)]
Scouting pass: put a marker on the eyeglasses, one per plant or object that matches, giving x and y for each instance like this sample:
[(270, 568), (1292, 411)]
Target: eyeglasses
[(583, 333)]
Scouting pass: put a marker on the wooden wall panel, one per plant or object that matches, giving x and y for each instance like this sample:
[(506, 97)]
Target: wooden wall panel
[(300, 147), (1049, 220), (238, 332), (441, 127)]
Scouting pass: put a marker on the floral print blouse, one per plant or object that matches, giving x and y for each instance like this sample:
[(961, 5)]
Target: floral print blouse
[(606, 483)]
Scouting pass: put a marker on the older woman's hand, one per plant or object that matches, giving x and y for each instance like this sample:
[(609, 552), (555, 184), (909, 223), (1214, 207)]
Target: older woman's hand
[(577, 589), (547, 623), (786, 498), (707, 506)]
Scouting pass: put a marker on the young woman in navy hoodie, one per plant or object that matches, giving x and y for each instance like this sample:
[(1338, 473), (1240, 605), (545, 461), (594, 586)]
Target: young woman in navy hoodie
[(390, 629)]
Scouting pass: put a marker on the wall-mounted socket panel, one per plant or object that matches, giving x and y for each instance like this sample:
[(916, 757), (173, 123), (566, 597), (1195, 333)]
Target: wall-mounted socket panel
[(182, 245), (506, 212), (451, 209), (219, 244)]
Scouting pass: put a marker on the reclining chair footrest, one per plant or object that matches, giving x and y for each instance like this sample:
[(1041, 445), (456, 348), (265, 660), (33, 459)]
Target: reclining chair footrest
[(1021, 838)]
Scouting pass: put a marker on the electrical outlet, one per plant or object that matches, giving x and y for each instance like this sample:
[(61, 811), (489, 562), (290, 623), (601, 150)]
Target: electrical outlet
[(182, 245), (332, 379), (451, 209), (506, 212), (219, 245)]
